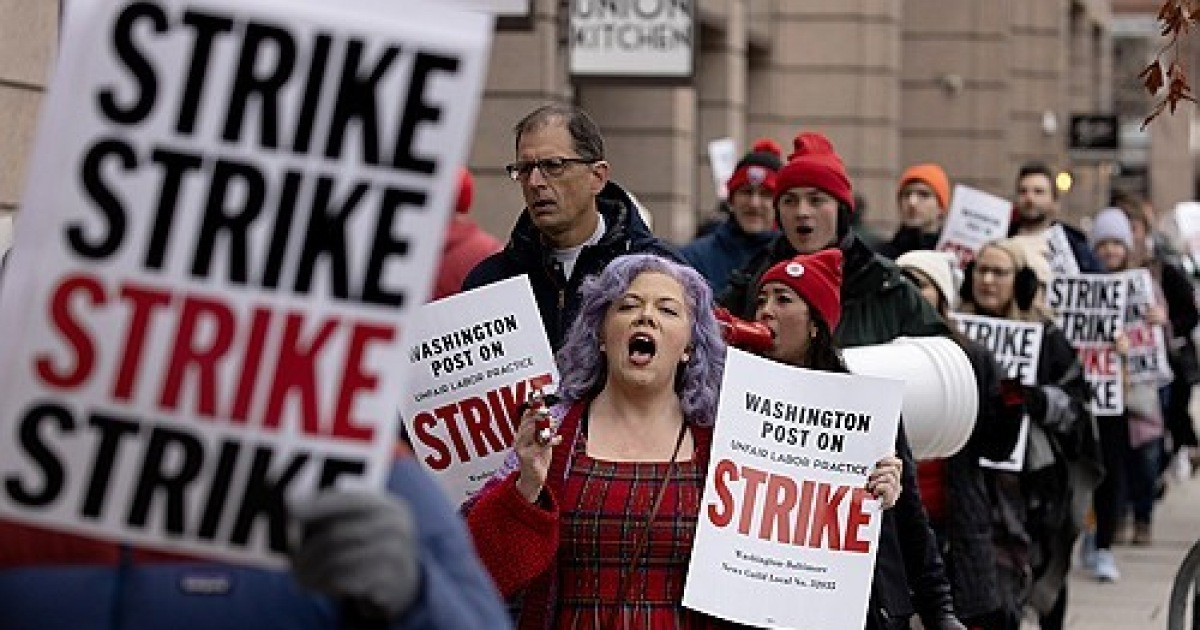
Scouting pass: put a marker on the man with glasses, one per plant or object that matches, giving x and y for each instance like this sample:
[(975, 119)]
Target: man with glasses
[(575, 219), (751, 223), (814, 204)]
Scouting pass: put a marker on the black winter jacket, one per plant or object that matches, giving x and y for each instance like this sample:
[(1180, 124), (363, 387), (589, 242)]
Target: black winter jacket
[(878, 305), (908, 239), (1058, 490), (966, 535), (723, 251), (557, 296)]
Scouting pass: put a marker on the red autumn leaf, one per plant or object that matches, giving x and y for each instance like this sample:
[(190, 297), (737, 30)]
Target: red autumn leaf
[(1152, 77)]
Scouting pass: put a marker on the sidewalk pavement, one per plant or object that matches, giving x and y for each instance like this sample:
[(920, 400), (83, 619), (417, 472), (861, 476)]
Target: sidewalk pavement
[(1139, 600)]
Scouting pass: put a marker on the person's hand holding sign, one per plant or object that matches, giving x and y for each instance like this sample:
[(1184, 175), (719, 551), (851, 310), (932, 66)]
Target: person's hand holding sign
[(534, 445), (884, 481), (1156, 315)]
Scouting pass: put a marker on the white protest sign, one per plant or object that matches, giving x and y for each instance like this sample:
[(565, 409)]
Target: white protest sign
[(632, 39), (500, 8), (787, 535), (1091, 310), (975, 219), (1146, 360), (233, 208), (475, 357), (1187, 218), (722, 156), (1016, 345), (1059, 253)]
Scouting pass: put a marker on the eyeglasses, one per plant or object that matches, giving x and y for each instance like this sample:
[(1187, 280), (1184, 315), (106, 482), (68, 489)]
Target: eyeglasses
[(550, 167), (983, 270)]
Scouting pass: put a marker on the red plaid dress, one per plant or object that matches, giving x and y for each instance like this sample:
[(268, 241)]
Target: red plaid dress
[(604, 510)]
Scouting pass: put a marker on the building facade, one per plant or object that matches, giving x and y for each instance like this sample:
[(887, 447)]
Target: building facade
[(975, 85)]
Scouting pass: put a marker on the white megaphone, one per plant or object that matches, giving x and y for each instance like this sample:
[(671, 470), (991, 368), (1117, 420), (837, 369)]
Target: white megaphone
[(6, 232), (940, 396)]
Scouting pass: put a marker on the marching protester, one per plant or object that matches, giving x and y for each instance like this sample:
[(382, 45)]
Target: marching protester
[(1112, 241), (575, 219), (1179, 318), (814, 204), (401, 562), (1061, 465), (956, 491), (593, 527), (923, 198), (466, 244), (751, 222), (1036, 211), (1151, 250)]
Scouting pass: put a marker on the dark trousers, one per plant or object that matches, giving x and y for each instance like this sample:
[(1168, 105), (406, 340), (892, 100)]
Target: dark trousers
[(1057, 615), (1110, 494), (1179, 417), (1142, 468)]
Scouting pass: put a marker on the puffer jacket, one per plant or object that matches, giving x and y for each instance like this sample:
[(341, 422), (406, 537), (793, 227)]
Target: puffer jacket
[(558, 296), (966, 535), (878, 305), (723, 251)]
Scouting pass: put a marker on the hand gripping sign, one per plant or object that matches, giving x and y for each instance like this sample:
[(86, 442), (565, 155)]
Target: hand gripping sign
[(232, 209), (476, 358), (787, 533), (1017, 347)]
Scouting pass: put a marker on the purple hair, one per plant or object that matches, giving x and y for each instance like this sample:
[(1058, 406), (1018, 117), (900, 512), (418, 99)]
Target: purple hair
[(583, 367)]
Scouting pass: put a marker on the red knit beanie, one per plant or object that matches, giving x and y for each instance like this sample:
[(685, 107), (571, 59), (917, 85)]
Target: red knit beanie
[(466, 191), (814, 163), (817, 277), (758, 167)]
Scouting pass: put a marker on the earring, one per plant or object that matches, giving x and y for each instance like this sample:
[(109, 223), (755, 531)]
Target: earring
[(685, 358)]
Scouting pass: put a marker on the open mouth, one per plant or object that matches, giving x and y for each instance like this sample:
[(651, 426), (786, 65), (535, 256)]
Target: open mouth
[(642, 349), (804, 230), (543, 204)]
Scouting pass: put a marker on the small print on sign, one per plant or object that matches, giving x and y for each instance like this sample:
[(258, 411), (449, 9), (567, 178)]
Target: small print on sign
[(476, 357), (787, 534)]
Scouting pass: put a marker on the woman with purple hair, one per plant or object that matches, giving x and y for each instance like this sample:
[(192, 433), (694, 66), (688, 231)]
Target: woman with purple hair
[(593, 527)]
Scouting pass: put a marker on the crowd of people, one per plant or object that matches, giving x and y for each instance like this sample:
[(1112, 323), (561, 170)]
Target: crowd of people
[(594, 527)]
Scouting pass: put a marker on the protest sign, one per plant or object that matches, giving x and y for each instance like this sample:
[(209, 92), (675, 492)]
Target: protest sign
[(1091, 310), (233, 207), (475, 357), (1146, 360), (1059, 253), (1187, 219), (722, 157), (975, 219), (1017, 346), (787, 535)]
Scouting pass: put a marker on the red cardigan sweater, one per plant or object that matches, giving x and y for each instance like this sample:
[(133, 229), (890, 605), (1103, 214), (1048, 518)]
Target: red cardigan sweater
[(518, 540)]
